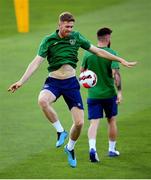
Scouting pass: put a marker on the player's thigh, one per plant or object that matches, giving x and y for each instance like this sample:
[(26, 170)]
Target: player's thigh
[(77, 115), (46, 96)]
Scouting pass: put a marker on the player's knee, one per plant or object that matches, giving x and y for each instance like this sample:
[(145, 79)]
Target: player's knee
[(111, 120), (42, 103), (79, 123)]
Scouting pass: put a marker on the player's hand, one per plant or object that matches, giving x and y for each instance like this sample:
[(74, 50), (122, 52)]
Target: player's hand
[(119, 97), (128, 64), (15, 86)]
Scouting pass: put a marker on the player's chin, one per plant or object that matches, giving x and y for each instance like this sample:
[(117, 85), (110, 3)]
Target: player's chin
[(67, 33)]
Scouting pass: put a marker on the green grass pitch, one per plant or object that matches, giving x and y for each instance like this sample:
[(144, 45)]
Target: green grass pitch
[(27, 139)]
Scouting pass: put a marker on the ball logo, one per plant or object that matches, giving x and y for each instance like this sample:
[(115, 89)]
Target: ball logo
[(88, 79)]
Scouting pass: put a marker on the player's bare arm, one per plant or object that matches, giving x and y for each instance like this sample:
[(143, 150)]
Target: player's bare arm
[(117, 80), (109, 56), (32, 67)]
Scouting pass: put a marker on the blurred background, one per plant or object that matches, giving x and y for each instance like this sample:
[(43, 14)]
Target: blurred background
[(27, 140)]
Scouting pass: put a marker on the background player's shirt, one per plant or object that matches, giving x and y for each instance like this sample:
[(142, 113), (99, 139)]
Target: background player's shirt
[(60, 51), (103, 68)]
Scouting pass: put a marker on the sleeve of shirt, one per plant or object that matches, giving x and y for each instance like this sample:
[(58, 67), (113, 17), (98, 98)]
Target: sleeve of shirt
[(84, 43), (115, 64), (43, 48)]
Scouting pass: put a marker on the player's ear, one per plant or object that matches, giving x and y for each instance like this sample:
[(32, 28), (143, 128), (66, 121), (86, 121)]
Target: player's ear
[(59, 23)]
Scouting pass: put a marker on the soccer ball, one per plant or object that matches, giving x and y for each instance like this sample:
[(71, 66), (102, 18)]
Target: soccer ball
[(88, 79)]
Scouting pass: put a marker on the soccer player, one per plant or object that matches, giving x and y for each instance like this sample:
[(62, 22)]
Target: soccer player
[(103, 97), (61, 50)]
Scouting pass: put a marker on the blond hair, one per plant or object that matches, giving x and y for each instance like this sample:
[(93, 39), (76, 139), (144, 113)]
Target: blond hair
[(66, 16)]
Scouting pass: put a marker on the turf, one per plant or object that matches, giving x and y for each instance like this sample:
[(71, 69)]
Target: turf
[(27, 140)]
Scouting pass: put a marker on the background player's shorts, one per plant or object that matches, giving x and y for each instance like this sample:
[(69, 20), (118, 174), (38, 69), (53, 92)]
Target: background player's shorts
[(68, 88), (97, 106)]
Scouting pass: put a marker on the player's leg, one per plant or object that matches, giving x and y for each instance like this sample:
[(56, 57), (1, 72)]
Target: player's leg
[(112, 128), (73, 99), (45, 100), (78, 121), (92, 134), (95, 112), (112, 134), (110, 107)]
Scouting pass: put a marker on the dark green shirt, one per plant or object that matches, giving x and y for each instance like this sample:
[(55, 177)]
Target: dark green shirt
[(103, 68), (60, 51)]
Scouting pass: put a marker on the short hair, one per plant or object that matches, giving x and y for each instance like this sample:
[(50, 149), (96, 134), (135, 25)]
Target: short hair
[(66, 16), (103, 31)]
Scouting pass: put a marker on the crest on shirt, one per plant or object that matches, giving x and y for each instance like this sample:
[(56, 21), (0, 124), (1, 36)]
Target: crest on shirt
[(72, 41)]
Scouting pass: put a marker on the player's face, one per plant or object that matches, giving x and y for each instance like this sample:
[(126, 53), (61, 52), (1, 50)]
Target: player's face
[(65, 28)]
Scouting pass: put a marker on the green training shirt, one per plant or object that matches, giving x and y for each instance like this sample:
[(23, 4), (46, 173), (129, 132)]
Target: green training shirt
[(60, 51), (103, 68)]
